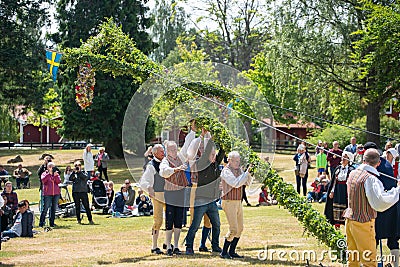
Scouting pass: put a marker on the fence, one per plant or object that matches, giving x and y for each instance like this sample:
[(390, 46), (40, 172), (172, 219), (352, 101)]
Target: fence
[(51, 146)]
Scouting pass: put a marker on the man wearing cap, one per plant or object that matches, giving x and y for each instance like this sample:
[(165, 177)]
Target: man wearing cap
[(366, 196), (387, 224)]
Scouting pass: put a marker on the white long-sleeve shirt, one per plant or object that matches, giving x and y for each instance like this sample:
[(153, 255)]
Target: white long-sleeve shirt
[(188, 140), (195, 145), (232, 180), (88, 161), (379, 199), (147, 179)]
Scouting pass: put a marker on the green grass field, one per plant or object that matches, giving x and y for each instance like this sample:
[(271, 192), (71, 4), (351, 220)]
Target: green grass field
[(127, 241)]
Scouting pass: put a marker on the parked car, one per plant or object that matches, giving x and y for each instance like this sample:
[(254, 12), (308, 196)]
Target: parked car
[(74, 145)]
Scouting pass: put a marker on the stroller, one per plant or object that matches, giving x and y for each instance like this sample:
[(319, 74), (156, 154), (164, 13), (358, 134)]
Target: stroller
[(66, 206), (99, 193)]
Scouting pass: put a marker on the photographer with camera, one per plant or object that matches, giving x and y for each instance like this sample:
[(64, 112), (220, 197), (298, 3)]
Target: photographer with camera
[(40, 171), (80, 192), (51, 193)]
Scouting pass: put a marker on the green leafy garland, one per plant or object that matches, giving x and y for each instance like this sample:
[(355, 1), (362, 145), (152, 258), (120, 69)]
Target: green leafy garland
[(313, 222)]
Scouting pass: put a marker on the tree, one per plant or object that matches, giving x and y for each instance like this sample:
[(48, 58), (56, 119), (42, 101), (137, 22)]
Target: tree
[(242, 30), (319, 51), (170, 21), (102, 121), (49, 114), (22, 55)]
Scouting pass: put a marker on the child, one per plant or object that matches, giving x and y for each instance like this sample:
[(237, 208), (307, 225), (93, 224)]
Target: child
[(321, 162), (323, 190), (313, 195), (145, 207), (263, 199)]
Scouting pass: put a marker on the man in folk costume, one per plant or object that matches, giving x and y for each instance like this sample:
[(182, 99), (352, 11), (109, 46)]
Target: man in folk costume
[(206, 175), (172, 169), (153, 183), (233, 179), (387, 223), (366, 196), (193, 153)]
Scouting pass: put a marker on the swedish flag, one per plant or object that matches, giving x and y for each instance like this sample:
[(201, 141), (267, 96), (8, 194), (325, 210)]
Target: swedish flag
[(53, 62)]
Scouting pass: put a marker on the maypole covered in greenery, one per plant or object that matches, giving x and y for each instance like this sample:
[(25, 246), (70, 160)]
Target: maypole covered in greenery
[(113, 52)]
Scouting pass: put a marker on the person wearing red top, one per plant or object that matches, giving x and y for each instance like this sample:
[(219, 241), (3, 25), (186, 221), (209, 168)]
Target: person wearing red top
[(313, 195), (334, 157), (51, 193), (263, 199)]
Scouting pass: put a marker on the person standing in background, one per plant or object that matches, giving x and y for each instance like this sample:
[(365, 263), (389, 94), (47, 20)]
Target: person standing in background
[(102, 159), (51, 193), (88, 161), (334, 157)]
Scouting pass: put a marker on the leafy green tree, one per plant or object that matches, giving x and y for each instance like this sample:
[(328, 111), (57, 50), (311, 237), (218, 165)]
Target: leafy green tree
[(170, 21), (22, 53), (50, 112), (241, 32), (324, 57), (102, 121)]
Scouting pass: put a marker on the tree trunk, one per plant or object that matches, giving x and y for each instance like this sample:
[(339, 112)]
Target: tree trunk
[(114, 148), (373, 122)]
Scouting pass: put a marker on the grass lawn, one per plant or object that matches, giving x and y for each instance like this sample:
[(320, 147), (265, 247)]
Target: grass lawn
[(127, 241)]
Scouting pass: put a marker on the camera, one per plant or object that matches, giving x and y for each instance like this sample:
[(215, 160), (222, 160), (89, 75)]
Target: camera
[(54, 169), (77, 168)]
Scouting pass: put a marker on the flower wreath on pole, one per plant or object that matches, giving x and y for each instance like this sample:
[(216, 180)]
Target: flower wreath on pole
[(85, 86)]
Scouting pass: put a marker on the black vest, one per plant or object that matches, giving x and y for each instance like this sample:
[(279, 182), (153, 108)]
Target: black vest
[(159, 182)]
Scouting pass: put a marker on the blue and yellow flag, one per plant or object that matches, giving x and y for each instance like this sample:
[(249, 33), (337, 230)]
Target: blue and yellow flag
[(53, 62)]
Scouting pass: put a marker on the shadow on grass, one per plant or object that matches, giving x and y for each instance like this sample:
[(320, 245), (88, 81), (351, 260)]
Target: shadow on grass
[(6, 265), (276, 246), (248, 260)]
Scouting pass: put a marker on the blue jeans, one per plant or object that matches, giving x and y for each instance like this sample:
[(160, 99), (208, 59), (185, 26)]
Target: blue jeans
[(211, 210), (50, 202), (323, 197), (9, 233)]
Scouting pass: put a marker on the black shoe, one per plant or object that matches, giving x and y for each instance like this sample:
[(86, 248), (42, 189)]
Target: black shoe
[(53, 225), (217, 249), (248, 204), (164, 246), (225, 256), (189, 251), (203, 249), (157, 251), (169, 252), (177, 251), (235, 255)]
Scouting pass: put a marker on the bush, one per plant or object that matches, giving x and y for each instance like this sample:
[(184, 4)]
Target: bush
[(334, 133), (389, 128)]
